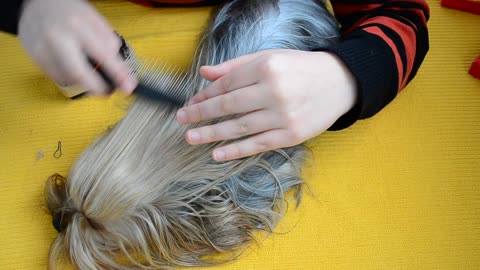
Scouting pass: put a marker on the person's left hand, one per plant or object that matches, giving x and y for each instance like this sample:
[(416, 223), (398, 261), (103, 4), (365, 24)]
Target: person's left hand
[(285, 97)]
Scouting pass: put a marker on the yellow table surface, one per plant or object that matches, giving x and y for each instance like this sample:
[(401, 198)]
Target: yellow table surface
[(398, 191)]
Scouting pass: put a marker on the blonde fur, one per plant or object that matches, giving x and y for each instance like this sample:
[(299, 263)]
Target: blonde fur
[(140, 197)]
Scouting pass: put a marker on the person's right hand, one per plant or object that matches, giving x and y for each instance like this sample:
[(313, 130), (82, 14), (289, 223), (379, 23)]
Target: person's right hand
[(60, 34)]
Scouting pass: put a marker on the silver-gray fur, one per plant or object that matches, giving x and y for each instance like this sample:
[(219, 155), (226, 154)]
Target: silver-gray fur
[(140, 197), (250, 26)]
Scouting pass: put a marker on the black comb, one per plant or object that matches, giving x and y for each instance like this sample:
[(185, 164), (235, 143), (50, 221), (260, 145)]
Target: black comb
[(155, 82)]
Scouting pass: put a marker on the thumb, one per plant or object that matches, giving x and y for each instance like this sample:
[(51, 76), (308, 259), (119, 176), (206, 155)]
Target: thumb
[(212, 73)]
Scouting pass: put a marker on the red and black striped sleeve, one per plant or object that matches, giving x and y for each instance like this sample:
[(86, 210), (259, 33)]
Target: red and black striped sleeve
[(383, 43)]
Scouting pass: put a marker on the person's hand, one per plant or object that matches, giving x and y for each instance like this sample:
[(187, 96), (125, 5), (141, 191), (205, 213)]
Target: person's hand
[(60, 34), (284, 97)]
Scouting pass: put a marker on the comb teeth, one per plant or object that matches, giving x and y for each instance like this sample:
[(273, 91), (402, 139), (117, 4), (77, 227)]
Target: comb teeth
[(160, 81)]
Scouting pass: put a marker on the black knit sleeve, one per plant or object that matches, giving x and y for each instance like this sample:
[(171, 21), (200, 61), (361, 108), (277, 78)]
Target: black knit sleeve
[(384, 42), (10, 15)]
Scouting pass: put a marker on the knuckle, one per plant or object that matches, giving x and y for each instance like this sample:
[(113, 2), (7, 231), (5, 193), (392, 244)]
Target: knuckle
[(201, 96), (225, 83), (242, 128), (210, 134), (195, 114), (278, 94), (198, 96), (290, 118), (227, 102), (271, 65), (262, 145)]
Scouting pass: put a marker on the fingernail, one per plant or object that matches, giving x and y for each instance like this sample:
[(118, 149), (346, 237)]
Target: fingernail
[(219, 155), (194, 136), (182, 116), (211, 67)]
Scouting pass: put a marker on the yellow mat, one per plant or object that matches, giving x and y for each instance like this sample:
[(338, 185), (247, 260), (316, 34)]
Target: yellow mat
[(398, 191)]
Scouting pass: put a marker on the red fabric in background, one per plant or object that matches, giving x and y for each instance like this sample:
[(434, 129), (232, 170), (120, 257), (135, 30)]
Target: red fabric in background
[(475, 68), (463, 5), (150, 3)]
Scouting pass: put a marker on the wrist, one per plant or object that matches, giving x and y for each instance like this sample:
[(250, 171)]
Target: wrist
[(345, 82)]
